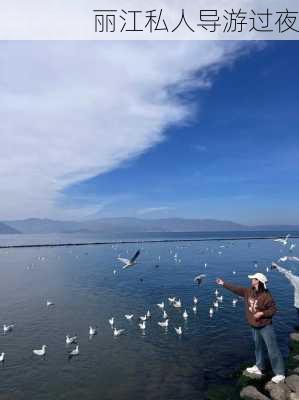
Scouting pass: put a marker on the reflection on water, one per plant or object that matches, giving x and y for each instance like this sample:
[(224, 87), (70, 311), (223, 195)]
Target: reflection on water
[(155, 365)]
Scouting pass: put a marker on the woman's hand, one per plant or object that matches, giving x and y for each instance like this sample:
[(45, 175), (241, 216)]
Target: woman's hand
[(219, 281), (258, 315)]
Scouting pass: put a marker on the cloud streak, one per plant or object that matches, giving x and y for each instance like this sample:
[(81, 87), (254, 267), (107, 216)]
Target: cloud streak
[(73, 110)]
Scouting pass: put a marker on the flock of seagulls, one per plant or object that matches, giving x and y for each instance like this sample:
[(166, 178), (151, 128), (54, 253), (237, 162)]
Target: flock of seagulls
[(165, 306)]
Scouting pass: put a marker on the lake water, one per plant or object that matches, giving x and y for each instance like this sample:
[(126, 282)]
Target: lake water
[(154, 365)]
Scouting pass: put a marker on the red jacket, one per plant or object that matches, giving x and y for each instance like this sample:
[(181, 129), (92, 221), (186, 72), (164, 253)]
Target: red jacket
[(255, 302)]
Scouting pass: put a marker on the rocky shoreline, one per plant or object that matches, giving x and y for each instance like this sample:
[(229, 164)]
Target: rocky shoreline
[(255, 387)]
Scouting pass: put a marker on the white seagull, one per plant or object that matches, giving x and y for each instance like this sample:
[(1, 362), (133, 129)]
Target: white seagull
[(129, 316), (111, 322), (220, 298), (7, 328), (211, 312), (143, 318), (164, 324), (148, 314), (179, 330), (194, 308), (195, 300), (2, 356), (142, 326), (235, 301), (185, 314), (177, 304), (92, 331), (165, 316), (117, 332), (129, 263), (171, 299), (283, 241), (74, 352), (161, 305), (40, 352), (293, 245), (70, 340), (49, 303)]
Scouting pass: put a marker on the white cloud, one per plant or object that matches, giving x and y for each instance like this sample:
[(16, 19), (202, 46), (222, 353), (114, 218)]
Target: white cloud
[(72, 110)]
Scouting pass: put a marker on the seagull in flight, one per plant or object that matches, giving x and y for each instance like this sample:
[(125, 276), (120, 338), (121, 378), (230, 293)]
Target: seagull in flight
[(129, 263), (283, 241), (2, 357), (198, 279)]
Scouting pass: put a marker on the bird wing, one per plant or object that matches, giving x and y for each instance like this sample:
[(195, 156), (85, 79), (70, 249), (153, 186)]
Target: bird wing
[(123, 260), (135, 256)]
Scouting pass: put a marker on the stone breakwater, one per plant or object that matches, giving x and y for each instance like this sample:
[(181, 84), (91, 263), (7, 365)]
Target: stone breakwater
[(255, 387)]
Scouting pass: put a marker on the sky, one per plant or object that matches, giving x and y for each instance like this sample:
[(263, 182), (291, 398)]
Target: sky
[(150, 130)]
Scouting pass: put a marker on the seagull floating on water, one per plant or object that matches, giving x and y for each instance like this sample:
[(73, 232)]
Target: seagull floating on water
[(185, 314), (74, 352), (165, 316), (164, 324), (216, 292), (177, 304), (40, 352), (195, 300), (92, 331), (220, 298), (211, 312), (161, 305), (49, 303), (142, 326), (179, 330), (2, 357), (129, 263), (143, 318), (194, 308), (148, 314), (111, 322)]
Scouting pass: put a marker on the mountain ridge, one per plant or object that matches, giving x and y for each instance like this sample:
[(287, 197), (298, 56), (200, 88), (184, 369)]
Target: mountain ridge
[(131, 224)]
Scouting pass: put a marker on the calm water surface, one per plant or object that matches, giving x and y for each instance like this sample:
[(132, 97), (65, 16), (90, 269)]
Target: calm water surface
[(156, 365)]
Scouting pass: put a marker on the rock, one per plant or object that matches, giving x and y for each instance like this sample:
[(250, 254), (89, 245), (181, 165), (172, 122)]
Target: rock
[(296, 358), (252, 376), (251, 393), (296, 371), (294, 336), (293, 383), (293, 396), (278, 391)]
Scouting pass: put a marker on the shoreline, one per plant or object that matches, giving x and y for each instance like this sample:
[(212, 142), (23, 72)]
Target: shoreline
[(114, 242)]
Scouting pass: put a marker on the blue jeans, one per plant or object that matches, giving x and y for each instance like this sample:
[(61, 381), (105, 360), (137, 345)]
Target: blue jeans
[(265, 337)]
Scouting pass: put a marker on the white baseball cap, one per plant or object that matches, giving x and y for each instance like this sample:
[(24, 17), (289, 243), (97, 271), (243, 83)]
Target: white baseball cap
[(260, 277)]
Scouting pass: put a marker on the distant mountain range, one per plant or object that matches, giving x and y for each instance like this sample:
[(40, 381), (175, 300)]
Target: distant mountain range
[(7, 229), (128, 225)]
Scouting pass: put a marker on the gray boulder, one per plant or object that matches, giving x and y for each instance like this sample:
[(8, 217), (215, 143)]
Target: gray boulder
[(277, 391), (293, 383), (251, 393), (293, 396)]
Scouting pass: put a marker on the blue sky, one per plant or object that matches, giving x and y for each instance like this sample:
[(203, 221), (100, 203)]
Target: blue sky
[(236, 158), (148, 129)]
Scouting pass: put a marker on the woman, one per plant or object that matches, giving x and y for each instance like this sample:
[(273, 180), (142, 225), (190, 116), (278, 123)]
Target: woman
[(260, 308)]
